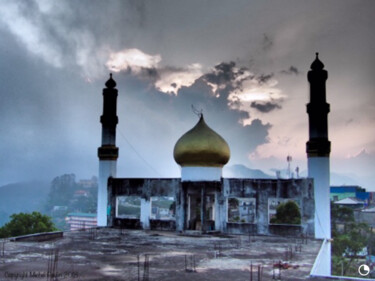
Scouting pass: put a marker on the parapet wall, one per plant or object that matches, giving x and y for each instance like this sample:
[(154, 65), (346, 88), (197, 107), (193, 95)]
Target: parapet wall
[(261, 196), (38, 237), (265, 192)]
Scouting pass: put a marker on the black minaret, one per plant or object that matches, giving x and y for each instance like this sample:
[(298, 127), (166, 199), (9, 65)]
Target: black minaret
[(318, 149), (318, 109), (108, 152)]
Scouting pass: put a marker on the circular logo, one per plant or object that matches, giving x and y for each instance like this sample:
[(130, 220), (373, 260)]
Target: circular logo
[(364, 270)]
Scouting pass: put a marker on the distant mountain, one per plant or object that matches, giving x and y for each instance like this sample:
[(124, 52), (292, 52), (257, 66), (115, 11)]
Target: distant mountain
[(241, 171), (338, 179), (341, 179), (22, 197)]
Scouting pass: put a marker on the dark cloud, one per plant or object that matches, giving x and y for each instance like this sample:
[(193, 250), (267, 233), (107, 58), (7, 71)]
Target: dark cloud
[(223, 74), (53, 114), (291, 70), (265, 107), (264, 78), (67, 33), (228, 77)]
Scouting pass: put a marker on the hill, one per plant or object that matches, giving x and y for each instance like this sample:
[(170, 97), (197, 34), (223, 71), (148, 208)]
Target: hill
[(22, 197), (241, 171)]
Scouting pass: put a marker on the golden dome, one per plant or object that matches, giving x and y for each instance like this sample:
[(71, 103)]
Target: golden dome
[(201, 146)]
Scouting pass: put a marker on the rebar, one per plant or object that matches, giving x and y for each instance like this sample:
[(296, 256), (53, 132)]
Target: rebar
[(2, 250), (93, 233), (52, 265), (190, 267), (260, 272), (146, 267), (138, 265)]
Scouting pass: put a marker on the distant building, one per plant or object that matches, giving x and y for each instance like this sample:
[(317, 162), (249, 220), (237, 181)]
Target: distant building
[(366, 216), (80, 193), (78, 221), (349, 191), (91, 183), (351, 202)]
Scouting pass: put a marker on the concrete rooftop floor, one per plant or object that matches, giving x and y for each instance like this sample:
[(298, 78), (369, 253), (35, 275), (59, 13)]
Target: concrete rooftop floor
[(112, 254)]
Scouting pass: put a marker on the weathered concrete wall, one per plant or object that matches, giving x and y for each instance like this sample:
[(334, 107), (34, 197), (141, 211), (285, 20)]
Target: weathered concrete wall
[(126, 223), (144, 188), (259, 189), (162, 224), (262, 190), (367, 217), (38, 237)]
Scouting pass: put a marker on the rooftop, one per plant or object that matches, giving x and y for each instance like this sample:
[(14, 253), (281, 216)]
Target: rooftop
[(100, 254)]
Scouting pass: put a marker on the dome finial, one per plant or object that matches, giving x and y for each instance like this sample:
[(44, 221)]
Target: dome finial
[(317, 64), (198, 112), (110, 83)]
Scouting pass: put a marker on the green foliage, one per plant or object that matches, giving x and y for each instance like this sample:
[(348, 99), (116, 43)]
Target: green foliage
[(348, 240), (287, 213), (23, 223), (352, 240), (233, 203), (341, 214), (22, 197)]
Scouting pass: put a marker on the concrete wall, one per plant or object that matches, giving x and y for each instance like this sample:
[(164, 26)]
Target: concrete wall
[(144, 188), (367, 217), (260, 189), (38, 237)]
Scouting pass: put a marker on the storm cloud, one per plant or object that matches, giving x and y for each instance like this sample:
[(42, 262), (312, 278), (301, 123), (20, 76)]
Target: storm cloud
[(291, 70), (229, 60), (265, 107)]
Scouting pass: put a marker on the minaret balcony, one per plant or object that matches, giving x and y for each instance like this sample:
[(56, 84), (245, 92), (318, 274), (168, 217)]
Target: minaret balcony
[(108, 152)]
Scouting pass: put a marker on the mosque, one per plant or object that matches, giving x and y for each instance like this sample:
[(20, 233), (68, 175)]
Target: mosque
[(202, 200)]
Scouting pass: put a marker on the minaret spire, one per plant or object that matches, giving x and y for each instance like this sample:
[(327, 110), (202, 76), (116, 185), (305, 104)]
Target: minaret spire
[(108, 152), (318, 109), (318, 149)]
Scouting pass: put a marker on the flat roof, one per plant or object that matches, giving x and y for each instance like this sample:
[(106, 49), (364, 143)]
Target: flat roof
[(112, 254)]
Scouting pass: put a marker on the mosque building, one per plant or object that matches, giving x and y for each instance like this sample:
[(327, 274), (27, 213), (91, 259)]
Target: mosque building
[(202, 200)]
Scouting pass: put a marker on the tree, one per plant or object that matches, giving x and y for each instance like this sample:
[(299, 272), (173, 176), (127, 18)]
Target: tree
[(340, 215), (348, 240), (23, 223), (287, 213)]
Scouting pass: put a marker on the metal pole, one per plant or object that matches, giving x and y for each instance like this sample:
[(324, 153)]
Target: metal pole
[(138, 267), (251, 271)]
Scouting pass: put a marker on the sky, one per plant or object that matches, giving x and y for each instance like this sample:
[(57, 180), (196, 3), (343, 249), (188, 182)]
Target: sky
[(243, 63)]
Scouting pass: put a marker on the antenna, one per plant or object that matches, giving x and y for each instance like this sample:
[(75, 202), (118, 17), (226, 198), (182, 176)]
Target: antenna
[(196, 111), (289, 160)]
